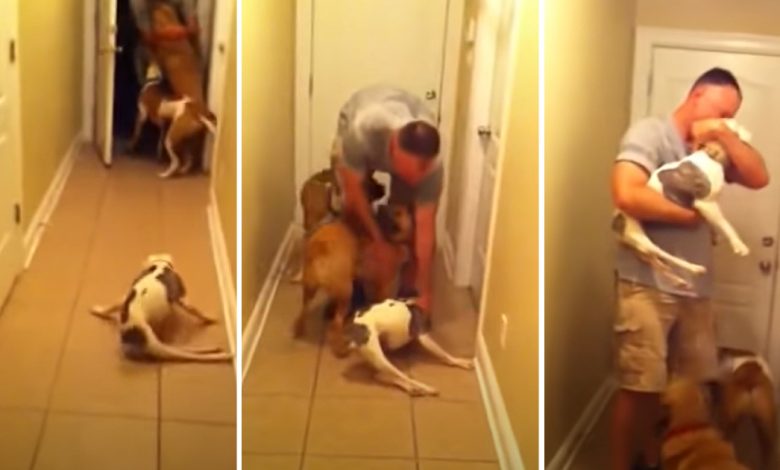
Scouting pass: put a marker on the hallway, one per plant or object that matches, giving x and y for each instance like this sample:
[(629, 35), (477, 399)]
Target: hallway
[(304, 408), (73, 401)]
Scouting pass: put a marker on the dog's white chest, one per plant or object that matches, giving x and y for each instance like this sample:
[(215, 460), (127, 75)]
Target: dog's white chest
[(391, 320), (151, 302)]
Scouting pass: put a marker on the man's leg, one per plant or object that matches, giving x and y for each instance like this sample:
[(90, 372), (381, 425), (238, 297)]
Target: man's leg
[(644, 318)]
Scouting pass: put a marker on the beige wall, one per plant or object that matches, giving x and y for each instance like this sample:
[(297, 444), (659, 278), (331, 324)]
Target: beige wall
[(225, 171), (588, 67), (457, 159), (512, 283), (50, 61), (744, 16), (268, 55)]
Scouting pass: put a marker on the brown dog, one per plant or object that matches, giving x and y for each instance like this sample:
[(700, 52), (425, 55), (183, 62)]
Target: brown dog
[(333, 261), (181, 67), (747, 391), (691, 441), (320, 200)]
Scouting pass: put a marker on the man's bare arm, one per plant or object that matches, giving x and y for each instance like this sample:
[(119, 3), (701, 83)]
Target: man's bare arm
[(356, 200), (631, 195)]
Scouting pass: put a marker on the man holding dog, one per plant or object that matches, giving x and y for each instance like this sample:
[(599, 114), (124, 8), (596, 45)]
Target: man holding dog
[(390, 130), (649, 308)]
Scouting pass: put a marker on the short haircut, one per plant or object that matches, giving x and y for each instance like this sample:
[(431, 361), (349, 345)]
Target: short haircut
[(718, 76), (420, 139)]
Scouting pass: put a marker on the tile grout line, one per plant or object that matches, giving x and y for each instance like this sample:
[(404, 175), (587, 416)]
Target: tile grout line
[(161, 241), (71, 317), (312, 397)]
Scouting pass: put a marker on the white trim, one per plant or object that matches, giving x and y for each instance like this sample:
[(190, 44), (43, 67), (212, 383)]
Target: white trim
[(222, 17), (471, 179), (501, 428), (448, 253), (227, 290), (449, 101), (48, 204), (88, 81), (303, 58), (568, 451), (648, 38), (259, 314)]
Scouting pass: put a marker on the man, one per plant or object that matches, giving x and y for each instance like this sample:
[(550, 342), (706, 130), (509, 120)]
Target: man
[(390, 130), (649, 307)]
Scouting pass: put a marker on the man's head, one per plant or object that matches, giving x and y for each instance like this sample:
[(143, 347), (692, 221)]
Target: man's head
[(714, 95), (414, 149)]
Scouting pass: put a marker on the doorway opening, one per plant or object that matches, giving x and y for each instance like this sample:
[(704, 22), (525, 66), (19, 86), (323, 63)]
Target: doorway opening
[(129, 77)]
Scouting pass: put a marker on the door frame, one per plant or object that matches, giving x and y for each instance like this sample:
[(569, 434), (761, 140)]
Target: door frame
[(648, 38), (304, 26), (15, 131), (220, 24)]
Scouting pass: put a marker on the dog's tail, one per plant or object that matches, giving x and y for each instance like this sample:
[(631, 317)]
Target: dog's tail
[(205, 116)]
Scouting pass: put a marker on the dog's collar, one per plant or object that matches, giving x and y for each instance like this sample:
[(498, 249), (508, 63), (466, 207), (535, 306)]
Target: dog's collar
[(325, 220), (679, 430)]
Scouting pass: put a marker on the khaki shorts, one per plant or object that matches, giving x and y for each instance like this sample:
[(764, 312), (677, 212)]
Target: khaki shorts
[(661, 334)]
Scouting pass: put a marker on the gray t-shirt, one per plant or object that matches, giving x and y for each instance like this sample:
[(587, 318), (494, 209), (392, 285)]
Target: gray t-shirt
[(650, 143), (365, 123)]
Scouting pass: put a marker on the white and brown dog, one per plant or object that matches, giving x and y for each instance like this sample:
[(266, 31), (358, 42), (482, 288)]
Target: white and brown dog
[(154, 295), (694, 182), (393, 324), (747, 391)]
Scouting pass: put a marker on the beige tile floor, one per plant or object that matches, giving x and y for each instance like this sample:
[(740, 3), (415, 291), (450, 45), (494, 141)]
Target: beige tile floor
[(305, 409), (68, 399)]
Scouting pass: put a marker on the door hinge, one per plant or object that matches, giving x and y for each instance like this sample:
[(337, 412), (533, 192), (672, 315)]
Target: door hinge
[(311, 84), (17, 213), (12, 51)]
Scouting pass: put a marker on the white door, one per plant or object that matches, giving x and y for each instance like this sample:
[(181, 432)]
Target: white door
[(495, 19), (356, 43), (223, 19), (104, 80), (11, 251), (744, 287)]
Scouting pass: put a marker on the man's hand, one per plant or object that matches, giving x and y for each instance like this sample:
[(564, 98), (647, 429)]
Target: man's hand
[(747, 165)]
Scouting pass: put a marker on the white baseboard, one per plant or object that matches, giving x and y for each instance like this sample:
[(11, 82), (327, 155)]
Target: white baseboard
[(448, 250), (49, 202), (503, 436), (566, 453), (227, 290), (259, 314)]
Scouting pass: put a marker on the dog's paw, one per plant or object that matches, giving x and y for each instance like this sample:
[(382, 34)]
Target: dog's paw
[(740, 249), (467, 364), (421, 390)]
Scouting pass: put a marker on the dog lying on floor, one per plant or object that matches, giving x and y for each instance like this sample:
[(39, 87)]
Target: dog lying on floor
[(746, 390), (693, 182), (390, 325), (154, 295), (691, 441), (180, 65)]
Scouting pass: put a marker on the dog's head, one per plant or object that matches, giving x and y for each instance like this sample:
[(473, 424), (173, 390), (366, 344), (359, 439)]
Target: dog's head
[(714, 149), (374, 189), (158, 259), (396, 223), (163, 15), (684, 403), (319, 198)]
